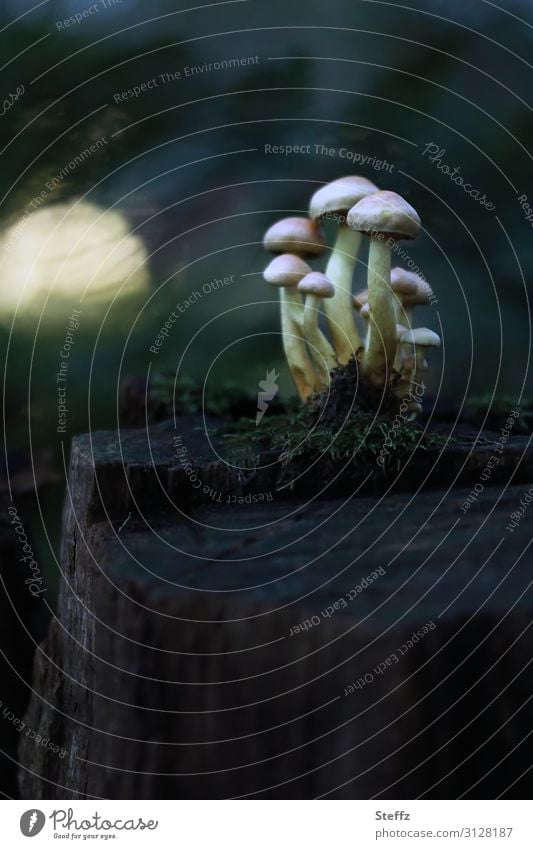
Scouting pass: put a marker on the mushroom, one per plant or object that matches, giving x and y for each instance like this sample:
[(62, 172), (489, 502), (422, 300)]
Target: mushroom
[(295, 235), (285, 272), (379, 215), (333, 202), (300, 237), (419, 339), (411, 290), (316, 287)]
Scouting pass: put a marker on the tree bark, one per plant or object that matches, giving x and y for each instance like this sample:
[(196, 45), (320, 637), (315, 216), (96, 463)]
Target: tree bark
[(213, 648)]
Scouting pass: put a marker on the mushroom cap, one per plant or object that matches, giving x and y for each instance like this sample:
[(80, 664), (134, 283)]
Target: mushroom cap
[(364, 312), (360, 300), (286, 270), (411, 287), (297, 235), (421, 336), (422, 296), (385, 212), (338, 197), (405, 282), (316, 283)]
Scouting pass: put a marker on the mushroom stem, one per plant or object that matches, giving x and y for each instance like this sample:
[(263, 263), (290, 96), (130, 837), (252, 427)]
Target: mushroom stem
[(301, 368), (340, 270), (380, 349), (399, 309), (399, 317), (407, 317), (418, 364), (418, 342), (321, 351)]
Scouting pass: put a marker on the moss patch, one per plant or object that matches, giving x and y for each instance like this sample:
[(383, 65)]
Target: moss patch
[(361, 437), (350, 423)]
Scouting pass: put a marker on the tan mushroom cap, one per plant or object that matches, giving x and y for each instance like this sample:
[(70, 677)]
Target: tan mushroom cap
[(338, 197), (421, 297), (360, 300), (387, 213), (405, 282), (421, 337), (411, 287), (296, 235), (316, 283), (286, 270)]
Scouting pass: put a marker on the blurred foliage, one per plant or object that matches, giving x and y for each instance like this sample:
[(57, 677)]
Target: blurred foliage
[(493, 413), (187, 396)]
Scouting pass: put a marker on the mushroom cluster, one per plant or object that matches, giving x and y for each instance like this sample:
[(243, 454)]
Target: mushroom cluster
[(374, 327)]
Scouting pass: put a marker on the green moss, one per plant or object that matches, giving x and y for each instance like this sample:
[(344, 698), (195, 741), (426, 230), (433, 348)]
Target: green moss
[(361, 438), (337, 426)]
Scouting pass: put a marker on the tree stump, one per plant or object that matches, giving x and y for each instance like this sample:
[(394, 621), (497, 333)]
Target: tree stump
[(248, 639), (23, 620)]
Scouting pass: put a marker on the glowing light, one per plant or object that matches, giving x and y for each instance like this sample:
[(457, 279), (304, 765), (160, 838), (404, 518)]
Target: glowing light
[(69, 250)]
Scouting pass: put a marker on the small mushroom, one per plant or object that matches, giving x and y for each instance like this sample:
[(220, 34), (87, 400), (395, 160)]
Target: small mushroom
[(295, 235), (384, 217), (285, 272), (300, 237), (399, 360), (333, 202), (316, 288), (419, 340), (411, 290)]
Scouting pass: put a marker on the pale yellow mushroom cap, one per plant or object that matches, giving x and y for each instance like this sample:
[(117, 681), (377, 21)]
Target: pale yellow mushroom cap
[(411, 288), (316, 283), (422, 337), (406, 282), (338, 197), (286, 270), (421, 297), (385, 213), (295, 235)]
